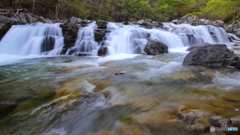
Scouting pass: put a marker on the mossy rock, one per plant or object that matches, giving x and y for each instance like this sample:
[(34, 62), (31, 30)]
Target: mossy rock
[(125, 23), (4, 30), (182, 76), (102, 24)]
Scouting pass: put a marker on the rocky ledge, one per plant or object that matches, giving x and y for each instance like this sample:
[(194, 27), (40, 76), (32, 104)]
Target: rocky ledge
[(147, 23), (233, 28), (21, 17), (197, 21), (211, 55)]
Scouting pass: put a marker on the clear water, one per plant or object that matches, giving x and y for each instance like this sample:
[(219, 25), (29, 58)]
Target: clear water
[(42, 93), (65, 95)]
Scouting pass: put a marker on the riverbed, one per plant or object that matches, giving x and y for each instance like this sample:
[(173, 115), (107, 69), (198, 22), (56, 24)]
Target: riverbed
[(118, 94)]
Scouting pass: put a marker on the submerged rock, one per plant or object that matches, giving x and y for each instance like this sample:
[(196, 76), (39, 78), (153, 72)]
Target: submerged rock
[(155, 47), (189, 117), (211, 55), (48, 43), (102, 51)]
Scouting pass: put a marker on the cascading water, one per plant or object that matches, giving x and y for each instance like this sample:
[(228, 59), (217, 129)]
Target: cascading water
[(34, 39), (125, 39), (191, 35), (47, 39), (132, 39), (85, 44)]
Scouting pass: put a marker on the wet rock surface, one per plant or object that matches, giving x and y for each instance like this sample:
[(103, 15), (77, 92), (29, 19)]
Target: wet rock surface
[(211, 55), (155, 47), (233, 28)]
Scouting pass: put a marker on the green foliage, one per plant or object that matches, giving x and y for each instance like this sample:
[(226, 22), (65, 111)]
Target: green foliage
[(219, 9), (130, 10)]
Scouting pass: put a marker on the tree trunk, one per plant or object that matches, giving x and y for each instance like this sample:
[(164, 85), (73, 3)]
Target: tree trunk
[(33, 6), (57, 10), (13, 3)]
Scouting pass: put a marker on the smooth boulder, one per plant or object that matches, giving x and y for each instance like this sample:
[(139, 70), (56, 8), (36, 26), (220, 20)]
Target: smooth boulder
[(212, 55), (155, 47)]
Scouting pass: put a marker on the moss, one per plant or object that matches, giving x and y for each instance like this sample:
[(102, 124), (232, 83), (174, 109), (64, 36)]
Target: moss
[(125, 23)]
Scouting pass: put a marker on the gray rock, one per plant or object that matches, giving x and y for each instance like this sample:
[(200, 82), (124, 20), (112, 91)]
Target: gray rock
[(196, 46), (155, 47), (197, 21), (214, 120), (79, 20), (224, 122), (190, 117), (42, 18), (102, 51), (212, 55), (99, 34), (5, 20), (233, 28), (22, 17), (148, 24), (30, 18), (1, 25), (48, 21), (73, 20)]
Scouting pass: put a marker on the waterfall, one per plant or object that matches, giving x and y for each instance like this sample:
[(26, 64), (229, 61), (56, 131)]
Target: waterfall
[(47, 39), (34, 39), (85, 44), (125, 39), (131, 39), (191, 35)]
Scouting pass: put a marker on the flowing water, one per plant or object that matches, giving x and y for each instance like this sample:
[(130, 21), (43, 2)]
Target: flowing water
[(122, 93)]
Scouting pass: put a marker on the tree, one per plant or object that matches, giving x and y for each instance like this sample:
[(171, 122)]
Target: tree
[(219, 9)]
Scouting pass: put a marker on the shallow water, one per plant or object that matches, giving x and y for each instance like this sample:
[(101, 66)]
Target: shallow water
[(80, 95)]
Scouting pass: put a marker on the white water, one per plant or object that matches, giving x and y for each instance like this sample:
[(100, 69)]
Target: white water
[(27, 40), (85, 41), (47, 39), (125, 39), (191, 35), (234, 37), (132, 39)]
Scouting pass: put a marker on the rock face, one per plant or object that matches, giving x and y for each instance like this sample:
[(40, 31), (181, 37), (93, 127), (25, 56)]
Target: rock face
[(99, 36), (70, 32), (233, 28), (48, 43), (212, 55), (102, 51), (155, 47), (7, 22), (197, 21), (100, 32)]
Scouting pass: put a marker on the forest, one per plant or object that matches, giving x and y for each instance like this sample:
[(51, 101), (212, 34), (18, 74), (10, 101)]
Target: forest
[(129, 10)]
